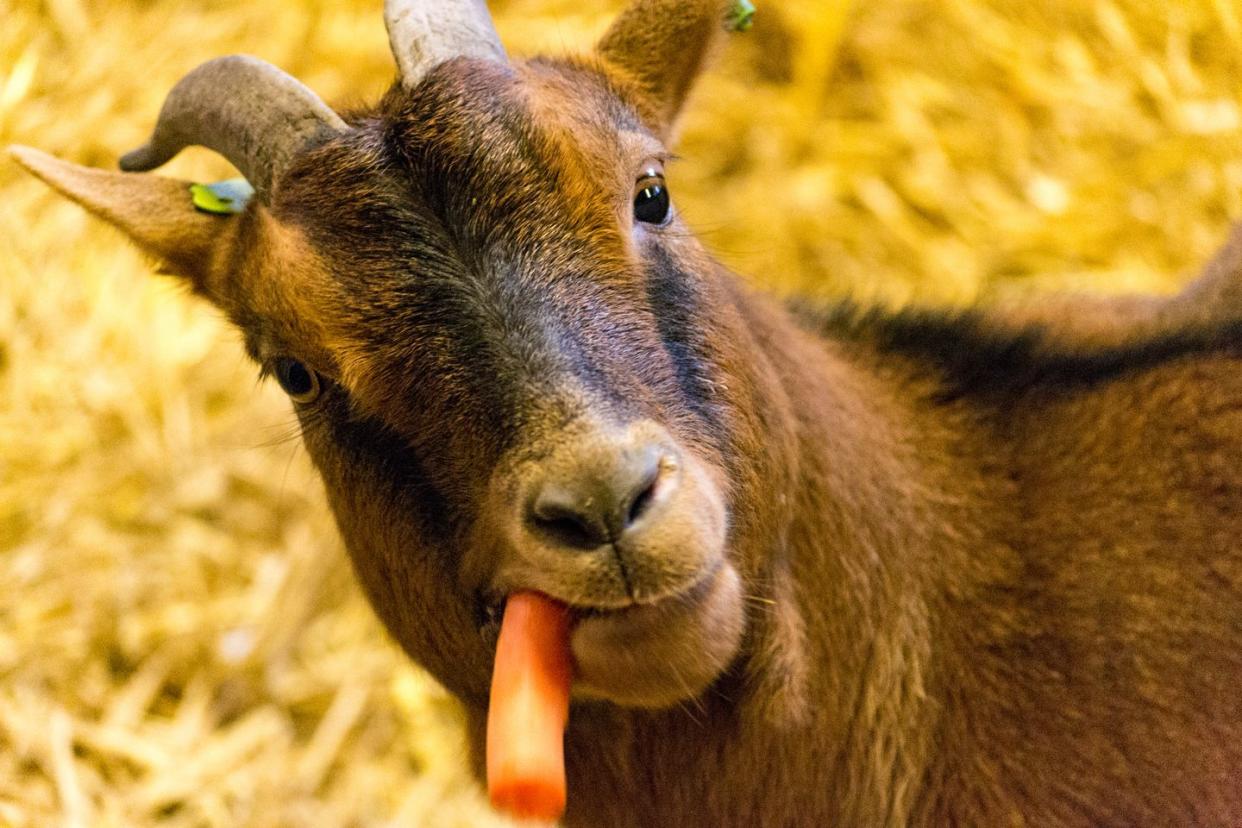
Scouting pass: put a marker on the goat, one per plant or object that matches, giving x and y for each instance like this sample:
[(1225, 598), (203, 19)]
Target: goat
[(835, 568)]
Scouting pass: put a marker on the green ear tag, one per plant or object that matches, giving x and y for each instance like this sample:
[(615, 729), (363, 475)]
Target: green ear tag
[(741, 17), (224, 198)]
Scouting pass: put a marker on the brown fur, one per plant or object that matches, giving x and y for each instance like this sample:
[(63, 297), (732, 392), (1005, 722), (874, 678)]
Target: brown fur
[(990, 564)]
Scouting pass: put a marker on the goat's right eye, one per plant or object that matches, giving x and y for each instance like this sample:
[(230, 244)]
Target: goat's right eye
[(298, 381)]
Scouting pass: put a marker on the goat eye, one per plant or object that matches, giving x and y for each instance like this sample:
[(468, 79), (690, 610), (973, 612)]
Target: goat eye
[(299, 382), (651, 201)]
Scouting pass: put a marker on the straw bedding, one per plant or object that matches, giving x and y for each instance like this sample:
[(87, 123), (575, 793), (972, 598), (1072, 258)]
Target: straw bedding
[(181, 641)]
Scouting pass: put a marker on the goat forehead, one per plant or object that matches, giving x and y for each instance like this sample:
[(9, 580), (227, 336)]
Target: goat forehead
[(491, 128)]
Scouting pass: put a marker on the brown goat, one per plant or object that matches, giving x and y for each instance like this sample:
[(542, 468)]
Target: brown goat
[(857, 569)]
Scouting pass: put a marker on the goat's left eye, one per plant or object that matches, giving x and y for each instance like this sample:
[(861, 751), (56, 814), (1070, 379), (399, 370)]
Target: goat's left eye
[(298, 381), (651, 201)]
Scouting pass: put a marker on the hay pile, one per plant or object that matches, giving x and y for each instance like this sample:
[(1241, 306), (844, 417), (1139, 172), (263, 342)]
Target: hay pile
[(180, 639)]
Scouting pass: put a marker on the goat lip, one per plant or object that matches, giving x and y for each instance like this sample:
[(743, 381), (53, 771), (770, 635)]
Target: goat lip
[(490, 604), (656, 654), (634, 607), (490, 609), (489, 612)]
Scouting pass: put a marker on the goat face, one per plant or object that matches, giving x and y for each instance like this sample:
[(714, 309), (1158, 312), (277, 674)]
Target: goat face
[(515, 379), (510, 361)]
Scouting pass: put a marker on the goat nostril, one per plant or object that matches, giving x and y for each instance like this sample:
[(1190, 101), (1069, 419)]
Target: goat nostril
[(643, 499), (572, 523)]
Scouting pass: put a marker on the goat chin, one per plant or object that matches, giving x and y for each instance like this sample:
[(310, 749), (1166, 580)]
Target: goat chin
[(656, 655)]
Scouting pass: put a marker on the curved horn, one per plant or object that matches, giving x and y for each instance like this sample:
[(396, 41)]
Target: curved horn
[(247, 110), (424, 33)]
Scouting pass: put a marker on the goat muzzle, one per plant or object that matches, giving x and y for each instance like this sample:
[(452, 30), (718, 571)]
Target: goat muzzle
[(629, 529)]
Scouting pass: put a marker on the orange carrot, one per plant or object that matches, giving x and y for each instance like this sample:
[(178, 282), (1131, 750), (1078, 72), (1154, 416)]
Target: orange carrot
[(529, 708)]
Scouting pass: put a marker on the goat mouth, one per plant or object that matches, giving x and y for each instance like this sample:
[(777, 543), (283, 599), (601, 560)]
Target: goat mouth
[(489, 612), (687, 594), (490, 604), (649, 654)]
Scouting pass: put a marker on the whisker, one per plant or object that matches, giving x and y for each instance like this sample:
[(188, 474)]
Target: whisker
[(285, 477), (690, 698), (760, 603), (280, 440)]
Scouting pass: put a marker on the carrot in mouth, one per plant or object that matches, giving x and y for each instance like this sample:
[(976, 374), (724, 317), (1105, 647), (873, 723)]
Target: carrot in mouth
[(529, 708)]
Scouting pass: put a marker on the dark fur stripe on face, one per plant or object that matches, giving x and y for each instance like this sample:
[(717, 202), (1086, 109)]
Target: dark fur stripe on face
[(676, 303)]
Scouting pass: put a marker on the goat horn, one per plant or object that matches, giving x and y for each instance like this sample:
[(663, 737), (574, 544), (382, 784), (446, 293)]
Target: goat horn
[(424, 33), (247, 110)]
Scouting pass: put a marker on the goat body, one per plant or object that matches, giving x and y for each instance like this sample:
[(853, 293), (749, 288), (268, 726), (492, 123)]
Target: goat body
[(999, 585)]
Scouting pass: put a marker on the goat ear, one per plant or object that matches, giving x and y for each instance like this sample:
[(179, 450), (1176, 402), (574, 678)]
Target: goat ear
[(156, 213), (663, 45)]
